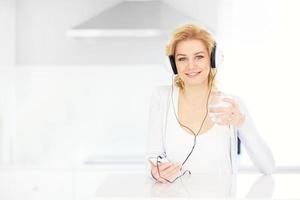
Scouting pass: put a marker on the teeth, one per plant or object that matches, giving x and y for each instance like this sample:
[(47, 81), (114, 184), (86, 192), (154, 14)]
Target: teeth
[(192, 74)]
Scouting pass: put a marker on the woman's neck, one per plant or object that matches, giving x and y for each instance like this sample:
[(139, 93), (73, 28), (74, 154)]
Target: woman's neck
[(195, 94)]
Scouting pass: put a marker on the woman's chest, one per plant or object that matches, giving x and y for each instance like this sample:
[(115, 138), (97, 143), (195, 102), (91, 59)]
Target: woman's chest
[(179, 143), (194, 121)]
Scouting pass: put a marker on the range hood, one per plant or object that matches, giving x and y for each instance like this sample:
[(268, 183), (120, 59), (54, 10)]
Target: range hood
[(131, 19)]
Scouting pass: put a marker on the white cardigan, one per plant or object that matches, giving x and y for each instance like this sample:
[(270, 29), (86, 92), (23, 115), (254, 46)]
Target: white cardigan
[(256, 148)]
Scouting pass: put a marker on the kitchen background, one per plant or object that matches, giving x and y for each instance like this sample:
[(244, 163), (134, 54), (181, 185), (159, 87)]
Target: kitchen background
[(71, 96)]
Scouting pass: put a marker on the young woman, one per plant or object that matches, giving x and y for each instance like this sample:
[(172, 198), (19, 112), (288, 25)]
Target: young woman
[(182, 136)]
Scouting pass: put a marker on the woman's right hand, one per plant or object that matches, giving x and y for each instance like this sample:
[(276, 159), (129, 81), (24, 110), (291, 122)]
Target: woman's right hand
[(167, 171)]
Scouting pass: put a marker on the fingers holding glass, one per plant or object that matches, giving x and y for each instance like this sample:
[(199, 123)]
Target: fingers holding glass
[(221, 107), (227, 116)]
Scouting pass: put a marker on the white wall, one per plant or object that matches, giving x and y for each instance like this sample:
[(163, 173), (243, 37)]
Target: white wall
[(205, 12), (66, 114), (7, 33), (7, 72), (7, 113), (64, 86), (41, 36)]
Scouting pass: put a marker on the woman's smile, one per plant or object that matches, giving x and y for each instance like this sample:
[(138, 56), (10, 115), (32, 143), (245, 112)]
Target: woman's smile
[(192, 74)]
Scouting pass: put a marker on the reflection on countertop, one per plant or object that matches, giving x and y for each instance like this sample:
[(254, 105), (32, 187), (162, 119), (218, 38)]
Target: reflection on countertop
[(190, 186)]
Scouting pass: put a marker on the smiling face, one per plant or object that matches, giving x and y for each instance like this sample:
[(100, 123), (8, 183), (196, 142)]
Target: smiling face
[(193, 62)]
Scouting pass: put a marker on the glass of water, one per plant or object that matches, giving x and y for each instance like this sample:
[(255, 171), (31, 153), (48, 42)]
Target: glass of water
[(216, 101)]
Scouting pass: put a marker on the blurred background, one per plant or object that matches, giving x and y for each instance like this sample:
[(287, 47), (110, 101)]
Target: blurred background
[(76, 76)]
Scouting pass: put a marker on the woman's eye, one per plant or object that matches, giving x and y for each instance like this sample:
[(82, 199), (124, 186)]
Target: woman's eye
[(182, 59), (199, 57)]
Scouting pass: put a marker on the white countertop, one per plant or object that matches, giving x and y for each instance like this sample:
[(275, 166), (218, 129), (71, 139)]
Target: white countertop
[(241, 186), (84, 183)]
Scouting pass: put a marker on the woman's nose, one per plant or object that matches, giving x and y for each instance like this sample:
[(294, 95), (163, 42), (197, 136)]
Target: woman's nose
[(190, 64)]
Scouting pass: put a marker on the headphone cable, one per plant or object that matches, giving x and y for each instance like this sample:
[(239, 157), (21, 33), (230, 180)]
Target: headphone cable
[(195, 134)]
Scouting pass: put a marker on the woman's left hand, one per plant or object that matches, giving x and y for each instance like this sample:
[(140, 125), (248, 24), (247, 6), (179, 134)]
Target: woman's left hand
[(229, 115)]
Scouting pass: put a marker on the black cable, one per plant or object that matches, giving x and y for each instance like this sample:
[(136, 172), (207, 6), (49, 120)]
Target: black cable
[(195, 134), (186, 171)]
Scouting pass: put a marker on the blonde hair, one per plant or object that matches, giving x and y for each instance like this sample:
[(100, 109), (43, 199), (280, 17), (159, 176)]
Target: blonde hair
[(188, 32)]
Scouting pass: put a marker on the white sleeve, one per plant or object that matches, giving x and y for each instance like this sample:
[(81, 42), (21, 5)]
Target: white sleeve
[(155, 128), (257, 149)]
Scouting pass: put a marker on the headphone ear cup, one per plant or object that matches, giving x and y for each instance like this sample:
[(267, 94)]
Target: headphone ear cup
[(173, 64), (213, 57), (217, 57)]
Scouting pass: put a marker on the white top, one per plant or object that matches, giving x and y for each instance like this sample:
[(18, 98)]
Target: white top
[(215, 150)]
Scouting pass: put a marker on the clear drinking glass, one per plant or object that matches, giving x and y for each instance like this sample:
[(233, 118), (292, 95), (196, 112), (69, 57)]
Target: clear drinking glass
[(216, 101)]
